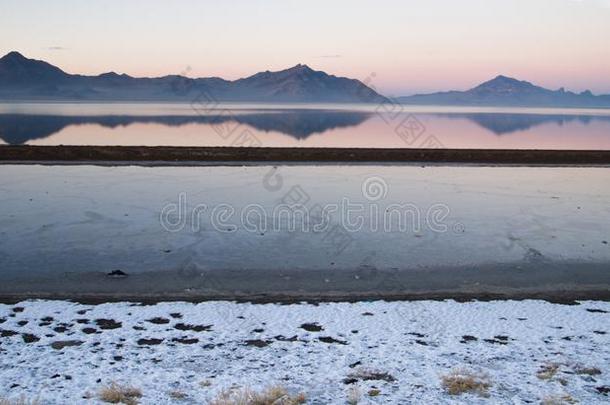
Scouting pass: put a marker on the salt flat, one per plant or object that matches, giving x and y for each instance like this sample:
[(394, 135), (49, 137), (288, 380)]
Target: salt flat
[(63, 352)]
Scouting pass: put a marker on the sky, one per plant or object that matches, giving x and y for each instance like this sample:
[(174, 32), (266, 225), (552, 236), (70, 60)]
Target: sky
[(400, 47)]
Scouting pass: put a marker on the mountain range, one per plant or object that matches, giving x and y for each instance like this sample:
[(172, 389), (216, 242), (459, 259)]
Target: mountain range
[(509, 92), (27, 79)]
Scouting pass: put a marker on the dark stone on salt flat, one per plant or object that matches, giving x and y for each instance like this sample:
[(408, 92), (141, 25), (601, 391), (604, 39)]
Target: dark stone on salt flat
[(468, 338), (108, 324), (89, 331), (596, 311), (8, 333), (599, 332), (258, 343), (117, 274), (185, 341), (30, 338), (331, 340), (60, 344), (312, 327), (176, 315), (281, 338), (604, 390), (367, 314), (194, 328), (150, 342), (495, 342), (22, 323), (18, 309), (158, 320)]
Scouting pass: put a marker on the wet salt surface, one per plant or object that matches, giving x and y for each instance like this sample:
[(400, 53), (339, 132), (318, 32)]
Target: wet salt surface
[(65, 228), (63, 352)]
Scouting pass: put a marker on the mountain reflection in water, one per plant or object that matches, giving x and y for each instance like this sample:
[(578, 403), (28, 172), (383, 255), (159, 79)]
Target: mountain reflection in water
[(505, 123), (306, 127), (21, 128)]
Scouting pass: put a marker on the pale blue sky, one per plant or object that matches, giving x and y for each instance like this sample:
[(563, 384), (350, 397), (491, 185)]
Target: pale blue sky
[(409, 45)]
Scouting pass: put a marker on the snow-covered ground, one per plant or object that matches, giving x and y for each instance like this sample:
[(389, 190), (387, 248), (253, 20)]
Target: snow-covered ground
[(320, 350)]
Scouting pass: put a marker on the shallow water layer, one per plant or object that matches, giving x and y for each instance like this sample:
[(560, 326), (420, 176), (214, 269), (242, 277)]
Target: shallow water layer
[(307, 229), (370, 126)]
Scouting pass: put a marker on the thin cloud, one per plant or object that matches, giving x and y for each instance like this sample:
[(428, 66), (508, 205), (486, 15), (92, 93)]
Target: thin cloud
[(330, 56)]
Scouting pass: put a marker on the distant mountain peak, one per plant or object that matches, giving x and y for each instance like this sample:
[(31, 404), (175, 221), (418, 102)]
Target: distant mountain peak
[(17, 70), (504, 78), (504, 85), (300, 66), (505, 81), (114, 75), (13, 55)]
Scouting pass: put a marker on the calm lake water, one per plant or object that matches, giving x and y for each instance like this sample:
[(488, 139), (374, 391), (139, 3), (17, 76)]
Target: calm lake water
[(303, 126)]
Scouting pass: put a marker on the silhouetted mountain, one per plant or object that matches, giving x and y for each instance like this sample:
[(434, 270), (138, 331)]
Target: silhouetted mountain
[(20, 128), (17, 70), (27, 79), (506, 91), (506, 123)]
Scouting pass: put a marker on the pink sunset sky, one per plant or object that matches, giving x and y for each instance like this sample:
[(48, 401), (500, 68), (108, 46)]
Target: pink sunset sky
[(410, 46)]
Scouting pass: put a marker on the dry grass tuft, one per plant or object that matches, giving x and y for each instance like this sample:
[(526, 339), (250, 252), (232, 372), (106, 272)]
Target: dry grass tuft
[(548, 371), (21, 401), (177, 394), (366, 374), (275, 395), (353, 396), (374, 392), (587, 370), (120, 394), (463, 381), (559, 400)]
